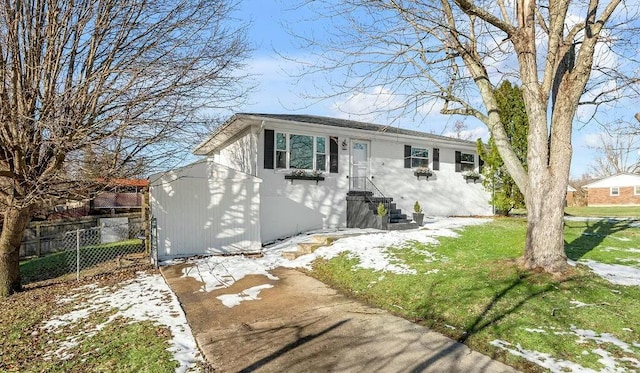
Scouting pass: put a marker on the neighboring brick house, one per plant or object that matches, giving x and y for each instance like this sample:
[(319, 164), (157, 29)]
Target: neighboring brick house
[(617, 190), (571, 195)]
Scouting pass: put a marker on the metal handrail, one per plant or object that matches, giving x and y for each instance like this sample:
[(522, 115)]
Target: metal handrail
[(369, 186)]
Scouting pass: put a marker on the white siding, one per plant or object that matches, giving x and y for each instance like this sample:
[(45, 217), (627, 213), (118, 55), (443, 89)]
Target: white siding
[(291, 207), (620, 180), (240, 153), (446, 193), (205, 208)]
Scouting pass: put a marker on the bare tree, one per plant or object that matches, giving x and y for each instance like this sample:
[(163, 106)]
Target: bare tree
[(128, 77), (461, 131), (618, 152), (458, 51)]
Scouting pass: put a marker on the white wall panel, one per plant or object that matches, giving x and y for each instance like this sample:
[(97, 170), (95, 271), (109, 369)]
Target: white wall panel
[(206, 208)]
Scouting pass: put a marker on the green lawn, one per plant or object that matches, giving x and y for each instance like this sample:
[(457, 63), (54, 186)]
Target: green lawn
[(475, 293), (63, 263), (122, 345), (610, 212)]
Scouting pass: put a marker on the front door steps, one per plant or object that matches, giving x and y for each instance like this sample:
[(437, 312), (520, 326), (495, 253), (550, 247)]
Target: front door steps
[(362, 212)]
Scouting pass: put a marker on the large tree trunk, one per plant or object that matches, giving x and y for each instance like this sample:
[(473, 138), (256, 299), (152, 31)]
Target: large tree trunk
[(15, 222), (544, 246)]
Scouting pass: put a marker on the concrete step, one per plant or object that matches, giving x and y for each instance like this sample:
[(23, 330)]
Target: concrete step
[(402, 226), (305, 248)]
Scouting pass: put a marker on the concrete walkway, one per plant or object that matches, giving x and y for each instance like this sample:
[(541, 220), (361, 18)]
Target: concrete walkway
[(301, 325)]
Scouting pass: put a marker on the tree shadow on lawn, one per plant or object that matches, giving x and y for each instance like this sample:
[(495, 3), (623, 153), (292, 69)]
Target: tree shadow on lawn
[(507, 300), (592, 236), (484, 319)]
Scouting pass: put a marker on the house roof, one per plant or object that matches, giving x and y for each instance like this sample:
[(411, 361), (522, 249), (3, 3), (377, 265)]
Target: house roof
[(240, 121), (619, 180), (125, 182)]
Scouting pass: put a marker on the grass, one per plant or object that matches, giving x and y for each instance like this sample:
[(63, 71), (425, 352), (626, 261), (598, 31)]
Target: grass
[(121, 346), (62, 263), (475, 293), (610, 212)]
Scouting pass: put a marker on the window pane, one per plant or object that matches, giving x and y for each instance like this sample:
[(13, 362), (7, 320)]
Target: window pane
[(467, 157), (321, 160), (281, 159), (281, 141), (419, 162), (466, 167), (419, 152), (320, 145), (301, 148)]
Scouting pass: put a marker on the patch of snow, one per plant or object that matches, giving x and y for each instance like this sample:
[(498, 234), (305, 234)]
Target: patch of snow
[(369, 246), (147, 297), (628, 250), (450, 326), (578, 304), (615, 273), (232, 300), (542, 359), (610, 362), (627, 329), (585, 335), (535, 330)]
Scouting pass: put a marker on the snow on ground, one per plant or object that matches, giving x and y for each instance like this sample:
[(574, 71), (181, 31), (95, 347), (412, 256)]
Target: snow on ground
[(232, 300), (147, 297), (369, 246), (611, 363), (614, 273), (627, 250)]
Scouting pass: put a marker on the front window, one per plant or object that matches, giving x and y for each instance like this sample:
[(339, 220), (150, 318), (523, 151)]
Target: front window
[(302, 152), (615, 191), (281, 150), (419, 157), (636, 190), (467, 162)]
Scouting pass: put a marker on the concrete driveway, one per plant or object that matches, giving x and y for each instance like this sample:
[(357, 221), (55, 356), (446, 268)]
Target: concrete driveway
[(301, 325)]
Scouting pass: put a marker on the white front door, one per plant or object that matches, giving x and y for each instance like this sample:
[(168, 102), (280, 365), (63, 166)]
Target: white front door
[(359, 164)]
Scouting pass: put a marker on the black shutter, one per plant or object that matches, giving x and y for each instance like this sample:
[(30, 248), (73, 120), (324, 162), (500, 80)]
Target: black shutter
[(407, 156), (436, 159), (480, 163), (333, 154), (458, 162), (268, 149)]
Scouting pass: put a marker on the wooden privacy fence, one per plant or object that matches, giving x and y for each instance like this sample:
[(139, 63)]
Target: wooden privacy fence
[(45, 237)]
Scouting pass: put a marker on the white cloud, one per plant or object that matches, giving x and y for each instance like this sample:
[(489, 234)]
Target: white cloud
[(471, 134), (369, 106)]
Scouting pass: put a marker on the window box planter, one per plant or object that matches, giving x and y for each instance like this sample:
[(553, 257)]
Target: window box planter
[(426, 174), (317, 178), (475, 178)]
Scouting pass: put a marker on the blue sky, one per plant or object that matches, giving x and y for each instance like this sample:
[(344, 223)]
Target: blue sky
[(278, 91)]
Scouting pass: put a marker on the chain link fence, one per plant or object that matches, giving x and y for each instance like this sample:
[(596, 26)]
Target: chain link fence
[(103, 249), (117, 243)]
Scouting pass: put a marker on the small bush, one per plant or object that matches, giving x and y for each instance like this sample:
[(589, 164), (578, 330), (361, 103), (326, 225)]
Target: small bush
[(417, 208), (382, 211)]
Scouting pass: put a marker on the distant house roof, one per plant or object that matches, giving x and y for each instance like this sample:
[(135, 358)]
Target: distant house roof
[(241, 120), (618, 180), (571, 189), (141, 183)]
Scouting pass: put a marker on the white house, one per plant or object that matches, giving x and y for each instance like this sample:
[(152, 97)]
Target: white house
[(251, 188)]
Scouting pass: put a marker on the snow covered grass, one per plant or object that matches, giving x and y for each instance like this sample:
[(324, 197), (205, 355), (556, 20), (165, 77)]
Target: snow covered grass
[(471, 289), (128, 322), (370, 249)]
